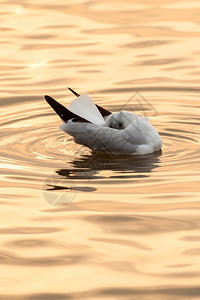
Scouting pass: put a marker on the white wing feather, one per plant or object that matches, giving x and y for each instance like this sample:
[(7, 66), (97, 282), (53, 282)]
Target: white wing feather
[(84, 107)]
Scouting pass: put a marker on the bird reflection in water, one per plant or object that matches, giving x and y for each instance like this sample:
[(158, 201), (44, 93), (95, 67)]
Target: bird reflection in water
[(85, 171), (90, 166)]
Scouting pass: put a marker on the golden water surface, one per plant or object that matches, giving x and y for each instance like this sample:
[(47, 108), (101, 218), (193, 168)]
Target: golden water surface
[(77, 225)]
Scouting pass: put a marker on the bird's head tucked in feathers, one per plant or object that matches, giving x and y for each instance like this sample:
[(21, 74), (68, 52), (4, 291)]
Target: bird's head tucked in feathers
[(120, 120)]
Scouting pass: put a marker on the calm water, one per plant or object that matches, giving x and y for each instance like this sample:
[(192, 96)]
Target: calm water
[(77, 225)]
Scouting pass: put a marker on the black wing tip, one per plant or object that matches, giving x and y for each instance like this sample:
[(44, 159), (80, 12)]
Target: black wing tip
[(47, 98), (50, 100), (75, 93), (64, 113)]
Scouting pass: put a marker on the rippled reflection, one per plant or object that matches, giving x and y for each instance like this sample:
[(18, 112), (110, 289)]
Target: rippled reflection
[(88, 166)]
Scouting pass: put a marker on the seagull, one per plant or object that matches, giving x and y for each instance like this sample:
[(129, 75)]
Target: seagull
[(100, 130)]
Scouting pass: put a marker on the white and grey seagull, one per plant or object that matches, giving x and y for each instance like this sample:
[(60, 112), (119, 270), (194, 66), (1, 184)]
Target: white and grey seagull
[(97, 128)]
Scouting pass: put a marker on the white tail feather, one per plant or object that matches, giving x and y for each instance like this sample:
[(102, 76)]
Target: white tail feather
[(84, 107)]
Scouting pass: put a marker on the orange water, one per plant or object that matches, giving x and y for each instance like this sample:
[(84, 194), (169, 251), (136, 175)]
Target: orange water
[(76, 225)]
